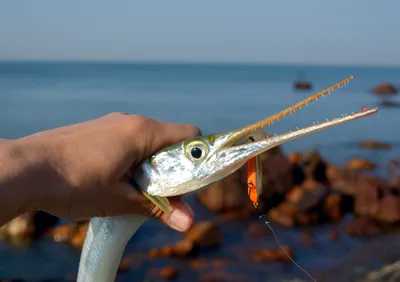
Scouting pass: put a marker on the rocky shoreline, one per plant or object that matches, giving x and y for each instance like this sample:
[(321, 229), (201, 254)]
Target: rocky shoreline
[(301, 190)]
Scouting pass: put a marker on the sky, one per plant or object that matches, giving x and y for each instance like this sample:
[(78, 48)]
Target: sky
[(355, 32)]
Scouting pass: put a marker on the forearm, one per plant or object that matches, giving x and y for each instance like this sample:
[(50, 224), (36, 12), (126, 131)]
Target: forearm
[(21, 168)]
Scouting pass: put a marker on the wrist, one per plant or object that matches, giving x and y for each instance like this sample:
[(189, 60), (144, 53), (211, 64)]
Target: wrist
[(22, 168)]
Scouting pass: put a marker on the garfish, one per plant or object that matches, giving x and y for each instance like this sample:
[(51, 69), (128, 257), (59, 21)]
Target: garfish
[(184, 168)]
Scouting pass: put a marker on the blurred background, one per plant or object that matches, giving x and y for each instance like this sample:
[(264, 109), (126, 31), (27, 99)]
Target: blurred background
[(332, 197)]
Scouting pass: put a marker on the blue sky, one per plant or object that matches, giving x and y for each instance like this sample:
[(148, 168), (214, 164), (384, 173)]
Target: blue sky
[(312, 31)]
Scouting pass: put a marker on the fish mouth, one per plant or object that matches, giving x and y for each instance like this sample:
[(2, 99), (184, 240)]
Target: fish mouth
[(234, 150)]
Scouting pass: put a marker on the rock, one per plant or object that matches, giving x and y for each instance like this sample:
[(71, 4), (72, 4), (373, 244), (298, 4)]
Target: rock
[(294, 158), (343, 180), (390, 104), (63, 233), (360, 164), (78, 238), (28, 227), (370, 144), (279, 254), (198, 264), (205, 234), (168, 273), (385, 89), (306, 196), (388, 273), (313, 166), (256, 229), (374, 198), (332, 206), (71, 233), (230, 193), (303, 85), (278, 215), (363, 226), (183, 248), (299, 204), (307, 219)]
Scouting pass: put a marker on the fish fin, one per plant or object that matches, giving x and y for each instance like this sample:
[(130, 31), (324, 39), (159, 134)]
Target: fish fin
[(161, 202)]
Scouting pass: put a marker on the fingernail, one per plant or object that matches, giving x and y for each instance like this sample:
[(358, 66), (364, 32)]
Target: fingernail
[(180, 221)]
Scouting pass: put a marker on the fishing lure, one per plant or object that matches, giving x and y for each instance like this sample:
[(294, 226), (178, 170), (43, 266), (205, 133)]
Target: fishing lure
[(254, 177)]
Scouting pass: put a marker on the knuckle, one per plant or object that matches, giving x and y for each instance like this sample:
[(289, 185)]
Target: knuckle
[(138, 121), (118, 114)]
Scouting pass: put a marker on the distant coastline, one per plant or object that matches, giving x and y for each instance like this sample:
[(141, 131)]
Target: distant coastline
[(200, 63)]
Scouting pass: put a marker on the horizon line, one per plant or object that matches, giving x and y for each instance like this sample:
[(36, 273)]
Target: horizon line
[(200, 62)]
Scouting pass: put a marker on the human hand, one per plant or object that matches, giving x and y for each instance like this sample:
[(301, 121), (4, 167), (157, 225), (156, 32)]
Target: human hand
[(86, 167)]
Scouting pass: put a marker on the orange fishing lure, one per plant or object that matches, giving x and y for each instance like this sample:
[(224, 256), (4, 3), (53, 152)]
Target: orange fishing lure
[(254, 178)]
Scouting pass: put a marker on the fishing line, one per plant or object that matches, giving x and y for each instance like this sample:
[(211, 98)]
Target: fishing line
[(283, 249)]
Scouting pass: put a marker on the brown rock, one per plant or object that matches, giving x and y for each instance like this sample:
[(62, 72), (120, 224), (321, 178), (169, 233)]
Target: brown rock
[(183, 248), (389, 209), (219, 262), (279, 254), (370, 144), (307, 219), (155, 253), (256, 229), (230, 193), (205, 234), (333, 206), (167, 251), (198, 264), (303, 85), (63, 233), (385, 89), (168, 273), (277, 215), (294, 158), (27, 227), (306, 196), (78, 238), (343, 180), (313, 166), (374, 198), (360, 164), (363, 226), (368, 195)]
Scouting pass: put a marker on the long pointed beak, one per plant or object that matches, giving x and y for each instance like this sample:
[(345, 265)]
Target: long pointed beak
[(248, 150), (233, 153)]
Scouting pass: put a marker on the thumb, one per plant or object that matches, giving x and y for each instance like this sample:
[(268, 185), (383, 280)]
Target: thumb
[(181, 217)]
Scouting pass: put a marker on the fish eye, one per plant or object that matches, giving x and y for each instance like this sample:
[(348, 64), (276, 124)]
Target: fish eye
[(196, 150)]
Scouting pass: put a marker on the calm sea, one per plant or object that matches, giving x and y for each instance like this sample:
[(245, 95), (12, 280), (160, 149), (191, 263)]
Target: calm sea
[(38, 96)]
